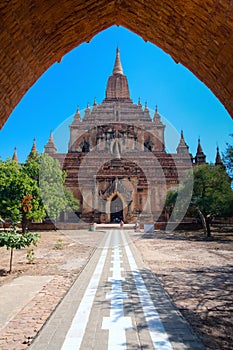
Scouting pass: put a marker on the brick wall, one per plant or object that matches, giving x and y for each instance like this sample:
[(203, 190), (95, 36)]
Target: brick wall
[(35, 34)]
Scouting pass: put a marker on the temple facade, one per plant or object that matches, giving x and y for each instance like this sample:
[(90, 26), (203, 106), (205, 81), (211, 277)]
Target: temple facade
[(117, 164)]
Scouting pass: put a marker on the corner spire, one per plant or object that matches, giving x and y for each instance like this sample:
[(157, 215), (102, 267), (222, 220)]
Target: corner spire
[(117, 66), (34, 146), (157, 118), (218, 159), (51, 139), (182, 147), (50, 147), (77, 117), (33, 149), (200, 157), (15, 156), (199, 148)]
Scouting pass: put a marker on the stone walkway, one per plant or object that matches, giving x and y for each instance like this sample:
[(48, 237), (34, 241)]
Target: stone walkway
[(116, 303), (27, 301), (22, 323), (17, 294)]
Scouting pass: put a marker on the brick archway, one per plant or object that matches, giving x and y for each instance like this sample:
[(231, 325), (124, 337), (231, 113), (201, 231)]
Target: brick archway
[(36, 33)]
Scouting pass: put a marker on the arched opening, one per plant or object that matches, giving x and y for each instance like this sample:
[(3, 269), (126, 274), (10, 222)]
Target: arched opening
[(116, 209)]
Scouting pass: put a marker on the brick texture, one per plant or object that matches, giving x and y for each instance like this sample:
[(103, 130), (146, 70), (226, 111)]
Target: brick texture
[(35, 34)]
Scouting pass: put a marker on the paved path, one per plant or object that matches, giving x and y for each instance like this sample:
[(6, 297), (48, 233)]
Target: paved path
[(116, 304), (18, 293)]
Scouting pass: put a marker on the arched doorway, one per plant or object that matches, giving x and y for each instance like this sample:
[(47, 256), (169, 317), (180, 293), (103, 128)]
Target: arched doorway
[(116, 209)]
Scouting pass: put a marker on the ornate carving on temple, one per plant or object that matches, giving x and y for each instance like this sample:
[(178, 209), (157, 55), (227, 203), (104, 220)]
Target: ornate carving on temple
[(116, 185)]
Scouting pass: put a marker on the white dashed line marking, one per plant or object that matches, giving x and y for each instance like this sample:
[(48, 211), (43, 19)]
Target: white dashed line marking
[(157, 332), (76, 332), (117, 323)]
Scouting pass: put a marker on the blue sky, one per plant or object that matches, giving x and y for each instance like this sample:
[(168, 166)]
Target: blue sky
[(82, 75)]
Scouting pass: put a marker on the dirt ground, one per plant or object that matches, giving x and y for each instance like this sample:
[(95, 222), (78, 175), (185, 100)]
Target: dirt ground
[(194, 271), (197, 274), (62, 253)]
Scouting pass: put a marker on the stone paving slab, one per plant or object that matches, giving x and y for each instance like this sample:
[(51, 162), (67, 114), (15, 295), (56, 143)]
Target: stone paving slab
[(21, 329), (18, 293)]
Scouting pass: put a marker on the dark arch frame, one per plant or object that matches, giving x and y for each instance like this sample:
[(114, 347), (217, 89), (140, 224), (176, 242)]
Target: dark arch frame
[(36, 34)]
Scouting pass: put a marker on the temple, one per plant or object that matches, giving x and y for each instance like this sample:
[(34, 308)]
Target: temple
[(117, 164)]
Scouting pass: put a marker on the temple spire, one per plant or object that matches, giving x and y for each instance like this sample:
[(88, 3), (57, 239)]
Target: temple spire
[(146, 107), (182, 147), (218, 159), (200, 157), (77, 117), (199, 148), (33, 149), (117, 85), (117, 66), (157, 118), (50, 147), (51, 139), (34, 146), (15, 156)]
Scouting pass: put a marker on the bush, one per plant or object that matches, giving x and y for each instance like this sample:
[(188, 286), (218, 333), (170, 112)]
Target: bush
[(14, 240)]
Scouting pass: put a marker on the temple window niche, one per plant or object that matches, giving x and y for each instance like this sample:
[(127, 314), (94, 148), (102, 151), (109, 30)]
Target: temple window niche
[(85, 146)]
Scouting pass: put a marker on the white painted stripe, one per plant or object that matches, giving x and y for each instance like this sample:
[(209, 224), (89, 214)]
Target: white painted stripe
[(117, 323), (77, 329), (157, 332)]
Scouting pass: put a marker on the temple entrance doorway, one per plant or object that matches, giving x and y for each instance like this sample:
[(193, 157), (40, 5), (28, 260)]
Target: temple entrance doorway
[(116, 209)]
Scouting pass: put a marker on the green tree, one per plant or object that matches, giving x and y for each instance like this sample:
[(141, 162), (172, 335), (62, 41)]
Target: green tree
[(212, 194), (18, 192), (56, 198), (71, 202), (50, 178), (170, 201), (14, 240), (228, 159), (35, 189), (32, 165)]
